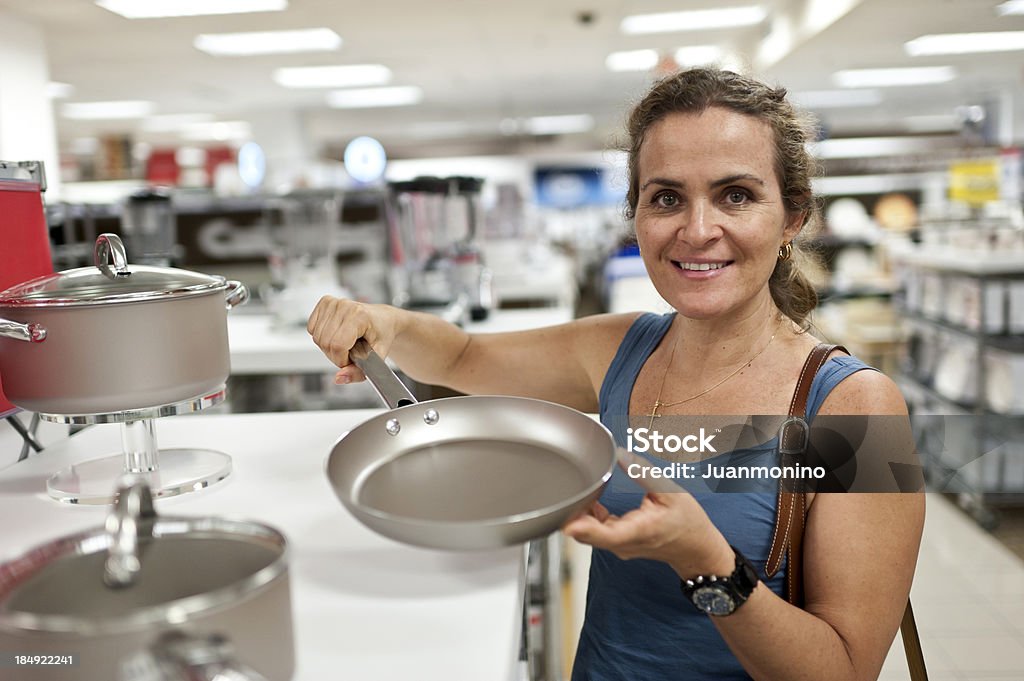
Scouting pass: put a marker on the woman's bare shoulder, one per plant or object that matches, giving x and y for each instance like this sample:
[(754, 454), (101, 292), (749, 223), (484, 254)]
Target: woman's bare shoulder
[(598, 336), (865, 392)]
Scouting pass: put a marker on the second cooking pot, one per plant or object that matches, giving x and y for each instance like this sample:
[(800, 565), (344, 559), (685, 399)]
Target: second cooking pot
[(114, 337), (151, 597)]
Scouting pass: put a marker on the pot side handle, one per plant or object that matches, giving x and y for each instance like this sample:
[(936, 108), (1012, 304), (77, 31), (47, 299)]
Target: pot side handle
[(236, 293), (30, 333)]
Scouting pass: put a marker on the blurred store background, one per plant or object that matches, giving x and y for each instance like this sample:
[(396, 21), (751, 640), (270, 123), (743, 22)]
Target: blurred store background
[(462, 158)]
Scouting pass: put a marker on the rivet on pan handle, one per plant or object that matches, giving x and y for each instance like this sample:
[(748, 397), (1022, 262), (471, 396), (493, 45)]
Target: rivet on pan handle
[(391, 390)]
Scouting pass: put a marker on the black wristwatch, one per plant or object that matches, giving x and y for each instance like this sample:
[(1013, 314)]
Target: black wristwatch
[(721, 596)]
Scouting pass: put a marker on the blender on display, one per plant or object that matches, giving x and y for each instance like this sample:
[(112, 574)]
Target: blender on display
[(437, 265)]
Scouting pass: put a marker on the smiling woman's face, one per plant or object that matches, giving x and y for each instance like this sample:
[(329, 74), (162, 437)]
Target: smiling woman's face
[(710, 217)]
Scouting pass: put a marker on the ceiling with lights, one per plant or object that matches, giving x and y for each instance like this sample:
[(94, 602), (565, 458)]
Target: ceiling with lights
[(475, 76)]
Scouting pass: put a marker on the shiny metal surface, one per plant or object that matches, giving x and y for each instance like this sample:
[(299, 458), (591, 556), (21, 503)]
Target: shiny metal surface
[(110, 247), (112, 358), (189, 406), (176, 656), (127, 524), (197, 577), (31, 333), (237, 294), (494, 471), (389, 388), (106, 284)]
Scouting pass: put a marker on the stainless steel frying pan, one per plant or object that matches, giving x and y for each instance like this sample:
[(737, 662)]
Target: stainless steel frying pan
[(467, 472)]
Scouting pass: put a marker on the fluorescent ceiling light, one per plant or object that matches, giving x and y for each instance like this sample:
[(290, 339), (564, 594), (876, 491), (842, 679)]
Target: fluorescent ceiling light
[(698, 55), (694, 20), (836, 99), (965, 43), (439, 129), (869, 147), (55, 90), (332, 76), (1010, 7), (174, 122), (558, 125), (220, 131), (364, 98), (268, 42), (107, 110), (632, 60), (151, 9), (923, 75)]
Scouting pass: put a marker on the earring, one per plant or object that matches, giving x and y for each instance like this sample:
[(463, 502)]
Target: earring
[(786, 251)]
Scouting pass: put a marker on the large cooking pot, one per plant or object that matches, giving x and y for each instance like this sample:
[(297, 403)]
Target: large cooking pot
[(114, 337), (149, 597), (467, 472)]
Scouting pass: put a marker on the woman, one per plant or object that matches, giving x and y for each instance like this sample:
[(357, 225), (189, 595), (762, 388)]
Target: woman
[(719, 188)]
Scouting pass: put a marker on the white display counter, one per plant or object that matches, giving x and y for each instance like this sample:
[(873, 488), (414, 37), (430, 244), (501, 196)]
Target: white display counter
[(364, 607), (260, 347)]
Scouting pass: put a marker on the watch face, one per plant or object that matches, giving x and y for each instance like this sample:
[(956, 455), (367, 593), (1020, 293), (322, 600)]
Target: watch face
[(713, 601)]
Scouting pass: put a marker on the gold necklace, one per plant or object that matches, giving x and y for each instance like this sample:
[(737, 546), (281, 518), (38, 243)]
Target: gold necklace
[(658, 403)]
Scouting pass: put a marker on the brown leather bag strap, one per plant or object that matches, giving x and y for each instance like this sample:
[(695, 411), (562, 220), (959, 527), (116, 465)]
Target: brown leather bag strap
[(791, 512), (791, 505)]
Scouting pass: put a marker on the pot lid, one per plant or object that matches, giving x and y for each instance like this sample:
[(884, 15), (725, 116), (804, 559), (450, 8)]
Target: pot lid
[(110, 280), (76, 583)]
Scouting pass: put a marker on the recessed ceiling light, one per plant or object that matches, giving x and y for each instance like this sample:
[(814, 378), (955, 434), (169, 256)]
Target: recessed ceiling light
[(174, 122), (107, 110), (632, 60), (220, 131), (836, 99), (365, 98), (439, 129), (332, 76), (965, 43), (152, 9), (55, 90), (698, 55), (869, 147), (923, 75), (1010, 7), (268, 42), (558, 125), (693, 20)]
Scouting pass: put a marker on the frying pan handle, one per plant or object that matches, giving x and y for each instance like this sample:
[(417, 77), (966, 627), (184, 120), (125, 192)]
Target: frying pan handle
[(391, 390)]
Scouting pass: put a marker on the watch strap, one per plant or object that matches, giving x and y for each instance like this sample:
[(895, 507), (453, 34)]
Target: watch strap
[(739, 584)]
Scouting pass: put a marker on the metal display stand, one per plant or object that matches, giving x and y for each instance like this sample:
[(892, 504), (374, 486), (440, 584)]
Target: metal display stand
[(168, 472), (965, 455)]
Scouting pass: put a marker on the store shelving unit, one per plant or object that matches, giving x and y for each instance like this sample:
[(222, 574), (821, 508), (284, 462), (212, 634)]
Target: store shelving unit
[(967, 446)]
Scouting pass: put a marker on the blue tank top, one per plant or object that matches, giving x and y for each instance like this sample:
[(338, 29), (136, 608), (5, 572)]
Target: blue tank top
[(638, 624)]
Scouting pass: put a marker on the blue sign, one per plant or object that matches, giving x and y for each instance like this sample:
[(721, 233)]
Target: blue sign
[(576, 187)]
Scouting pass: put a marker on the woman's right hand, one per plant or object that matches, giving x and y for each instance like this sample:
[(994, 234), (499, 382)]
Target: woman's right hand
[(336, 324)]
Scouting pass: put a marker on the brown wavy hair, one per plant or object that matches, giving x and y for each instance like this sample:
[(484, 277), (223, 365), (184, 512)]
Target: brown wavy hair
[(695, 90)]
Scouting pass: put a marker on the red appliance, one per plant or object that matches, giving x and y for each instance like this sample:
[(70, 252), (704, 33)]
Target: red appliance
[(24, 236)]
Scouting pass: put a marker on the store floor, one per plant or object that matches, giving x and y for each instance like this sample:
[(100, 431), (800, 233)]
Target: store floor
[(968, 598)]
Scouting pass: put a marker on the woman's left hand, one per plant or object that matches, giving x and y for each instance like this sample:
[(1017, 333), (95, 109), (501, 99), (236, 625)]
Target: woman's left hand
[(669, 525)]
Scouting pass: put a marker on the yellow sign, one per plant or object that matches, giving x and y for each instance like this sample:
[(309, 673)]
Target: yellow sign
[(974, 182)]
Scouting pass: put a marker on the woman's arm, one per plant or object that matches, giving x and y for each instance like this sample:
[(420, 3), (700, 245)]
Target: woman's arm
[(564, 363), (860, 552)]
